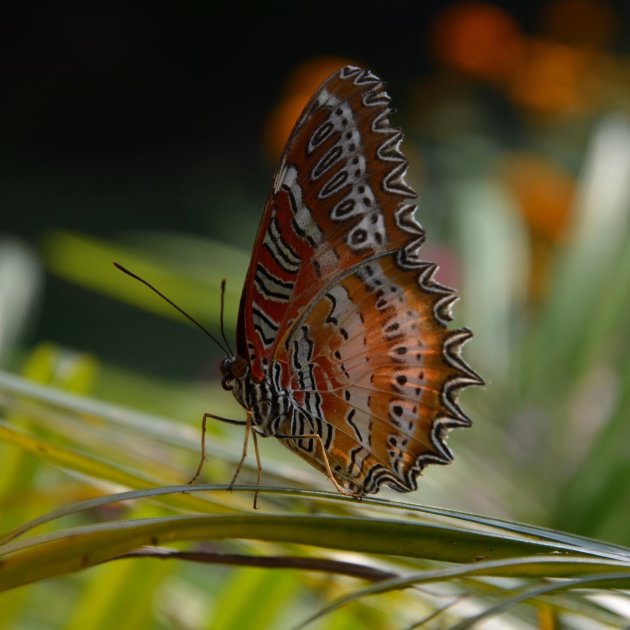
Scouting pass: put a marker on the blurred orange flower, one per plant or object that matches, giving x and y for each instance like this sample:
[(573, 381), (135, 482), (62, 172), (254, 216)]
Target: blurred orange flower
[(544, 193), (479, 39), (557, 79)]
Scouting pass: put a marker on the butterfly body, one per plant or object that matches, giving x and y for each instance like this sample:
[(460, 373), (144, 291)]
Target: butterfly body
[(342, 343)]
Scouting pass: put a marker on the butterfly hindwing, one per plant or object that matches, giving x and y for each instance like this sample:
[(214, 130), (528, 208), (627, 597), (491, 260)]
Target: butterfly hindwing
[(373, 363)]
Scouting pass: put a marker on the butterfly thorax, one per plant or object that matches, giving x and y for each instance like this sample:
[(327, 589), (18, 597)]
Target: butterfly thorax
[(268, 402)]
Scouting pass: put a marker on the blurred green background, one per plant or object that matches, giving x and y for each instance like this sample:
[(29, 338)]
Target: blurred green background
[(148, 134)]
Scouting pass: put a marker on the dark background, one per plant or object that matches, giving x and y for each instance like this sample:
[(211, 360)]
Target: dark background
[(113, 115)]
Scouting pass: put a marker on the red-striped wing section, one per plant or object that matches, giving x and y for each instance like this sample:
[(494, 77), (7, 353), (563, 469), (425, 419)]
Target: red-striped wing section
[(331, 206)]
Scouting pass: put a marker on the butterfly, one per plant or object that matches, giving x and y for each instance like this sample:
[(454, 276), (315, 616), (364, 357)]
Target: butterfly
[(343, 351)]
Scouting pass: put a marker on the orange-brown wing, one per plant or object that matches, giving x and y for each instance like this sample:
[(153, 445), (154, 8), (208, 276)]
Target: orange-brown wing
[(337, 295), (331, 206), (376, 373)]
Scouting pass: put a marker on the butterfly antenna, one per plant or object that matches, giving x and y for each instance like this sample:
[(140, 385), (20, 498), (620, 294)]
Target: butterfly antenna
[(177, 308), (227, 343)]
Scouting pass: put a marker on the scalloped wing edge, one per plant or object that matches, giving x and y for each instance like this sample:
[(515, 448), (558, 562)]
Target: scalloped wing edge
[(451, 350), (389, 150)]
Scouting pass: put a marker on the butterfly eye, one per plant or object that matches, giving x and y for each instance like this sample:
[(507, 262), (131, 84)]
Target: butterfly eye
[(238, 368)]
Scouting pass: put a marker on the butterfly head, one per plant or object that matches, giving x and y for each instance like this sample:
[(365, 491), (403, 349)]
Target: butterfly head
[(233, 369)]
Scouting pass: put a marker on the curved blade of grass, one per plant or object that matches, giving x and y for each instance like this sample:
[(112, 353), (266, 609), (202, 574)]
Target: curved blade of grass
[(94, 467), (557, 541), (159, 428), (573, 542), (77, 548), (537, 591), (18, 391), (531, 567), (100, 502), (62, 250)]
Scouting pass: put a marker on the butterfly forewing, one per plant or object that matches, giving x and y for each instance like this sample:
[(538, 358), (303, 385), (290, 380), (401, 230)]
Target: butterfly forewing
[(341, 323), (330, 206)]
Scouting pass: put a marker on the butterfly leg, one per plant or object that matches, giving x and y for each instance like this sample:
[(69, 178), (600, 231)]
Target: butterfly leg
[(204, 420), (259, 466), (329, 473), (248, 429)]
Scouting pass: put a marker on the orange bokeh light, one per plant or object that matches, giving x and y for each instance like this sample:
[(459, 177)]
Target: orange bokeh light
[(479, 39), (555, 78), (544, 193)]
